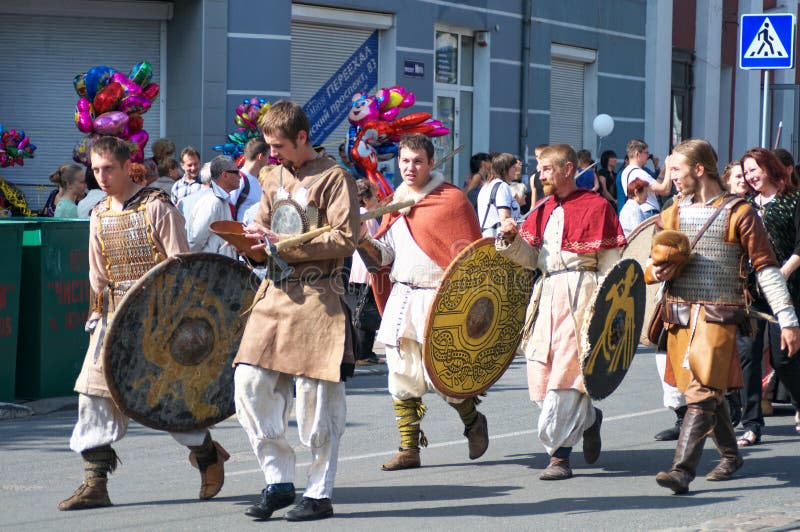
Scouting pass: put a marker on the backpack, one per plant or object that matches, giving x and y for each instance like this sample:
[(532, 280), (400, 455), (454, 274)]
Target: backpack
[(492, 199)]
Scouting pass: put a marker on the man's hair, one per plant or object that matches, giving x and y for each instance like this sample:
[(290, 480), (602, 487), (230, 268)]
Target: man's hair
[(417, 142), (539, 148), (635, 146), (700, 151), (205, 173), (518, 189), (501, 164), (476, 160), (560, 155), (166, 166), (771, 165), (190, 151), (113, 146), (255, 147), (219, 165), (162, 148), (285, 118)]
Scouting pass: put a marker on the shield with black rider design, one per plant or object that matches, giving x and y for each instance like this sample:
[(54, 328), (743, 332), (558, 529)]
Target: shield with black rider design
[(169, 348), (475, 322)]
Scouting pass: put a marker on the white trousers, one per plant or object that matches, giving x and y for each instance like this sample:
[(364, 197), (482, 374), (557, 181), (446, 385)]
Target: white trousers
[(263, 404), (565, 415), (101, 423), (407, 376), (672, 397)]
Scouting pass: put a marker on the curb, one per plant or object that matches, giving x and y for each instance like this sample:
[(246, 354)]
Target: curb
[(38, 407), (12, 411)]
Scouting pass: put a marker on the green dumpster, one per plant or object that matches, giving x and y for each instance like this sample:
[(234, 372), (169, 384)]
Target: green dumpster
[(10, 267), (54, 308)]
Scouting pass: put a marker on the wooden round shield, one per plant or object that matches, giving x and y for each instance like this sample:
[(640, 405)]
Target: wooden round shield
[(612, 327), (639, 243), (475, 322), (168, 350)]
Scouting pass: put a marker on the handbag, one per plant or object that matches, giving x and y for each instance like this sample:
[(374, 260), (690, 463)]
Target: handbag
[(656, 331)]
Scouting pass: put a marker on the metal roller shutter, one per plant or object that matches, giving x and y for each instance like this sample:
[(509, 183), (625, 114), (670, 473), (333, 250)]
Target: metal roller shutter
[(38, 96), (566, 103), (317, 53)]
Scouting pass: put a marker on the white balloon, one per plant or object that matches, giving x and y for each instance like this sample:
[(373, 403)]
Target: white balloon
[(603, 125)]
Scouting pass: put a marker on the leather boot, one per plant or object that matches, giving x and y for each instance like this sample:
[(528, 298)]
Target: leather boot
[(404, 459), (558, 469), (697, 424), (477, 437), (592, 444), (725, 440), (209, 458), (93, 493)]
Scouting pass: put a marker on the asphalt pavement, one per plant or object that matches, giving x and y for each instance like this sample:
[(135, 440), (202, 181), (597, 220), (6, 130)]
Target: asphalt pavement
[(155, 488)]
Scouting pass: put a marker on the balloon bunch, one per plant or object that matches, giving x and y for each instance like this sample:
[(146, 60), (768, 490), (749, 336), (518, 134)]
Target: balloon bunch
[(112, 103), (247, 115), (15, 146), (376, 129)]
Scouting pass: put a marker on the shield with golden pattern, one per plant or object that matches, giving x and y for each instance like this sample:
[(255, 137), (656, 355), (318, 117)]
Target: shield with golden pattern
[(168, 350), (611, 330), (475, 322)]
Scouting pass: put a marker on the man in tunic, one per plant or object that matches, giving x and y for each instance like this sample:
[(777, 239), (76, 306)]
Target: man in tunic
[(573, 237), (705, 305), (130, 231), (419, 243), (298, 333)]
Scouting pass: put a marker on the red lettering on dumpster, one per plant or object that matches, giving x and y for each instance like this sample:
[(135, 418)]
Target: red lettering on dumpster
[(6, 328), (5, 289), (70, 291), (79, 260)]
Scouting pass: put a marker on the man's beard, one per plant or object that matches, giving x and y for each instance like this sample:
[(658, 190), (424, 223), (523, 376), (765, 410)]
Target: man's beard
[(549, 189)]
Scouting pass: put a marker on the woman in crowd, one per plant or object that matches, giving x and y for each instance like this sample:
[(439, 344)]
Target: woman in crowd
[(495, 201), (73, 183), (607, 175), (778, 203)]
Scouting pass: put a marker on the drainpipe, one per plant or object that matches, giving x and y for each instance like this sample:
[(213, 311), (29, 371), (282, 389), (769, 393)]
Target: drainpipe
[(524, 82)]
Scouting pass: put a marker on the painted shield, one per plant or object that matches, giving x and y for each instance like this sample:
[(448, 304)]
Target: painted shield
[(613, 326), (640, 240), (475, 322), (169, 348), (288, 218)]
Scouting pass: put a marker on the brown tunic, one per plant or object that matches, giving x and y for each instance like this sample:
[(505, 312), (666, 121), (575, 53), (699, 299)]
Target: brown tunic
[(115, 261), (710, 333), (300, 326)]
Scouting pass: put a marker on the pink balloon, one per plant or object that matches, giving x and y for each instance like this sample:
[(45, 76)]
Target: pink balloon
[(111, 123), (139, 137), (84, 121), (127, 83), (134, 104), (84, 105)]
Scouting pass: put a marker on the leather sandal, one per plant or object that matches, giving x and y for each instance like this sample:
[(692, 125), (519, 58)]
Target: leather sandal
[(748, 439)]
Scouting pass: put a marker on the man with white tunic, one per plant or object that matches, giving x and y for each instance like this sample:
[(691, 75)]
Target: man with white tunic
[(419, 243), (573, 238), (212, 205), (130, 231)]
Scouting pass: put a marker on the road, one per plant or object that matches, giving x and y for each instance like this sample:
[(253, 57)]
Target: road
[(155, 488)]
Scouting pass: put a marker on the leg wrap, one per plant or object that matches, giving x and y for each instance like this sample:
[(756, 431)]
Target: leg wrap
[(467, 411), (205, 454), (408, 414), (99, 462)]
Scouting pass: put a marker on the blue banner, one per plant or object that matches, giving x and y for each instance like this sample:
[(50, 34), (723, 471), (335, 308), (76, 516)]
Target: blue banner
[(331, 104)]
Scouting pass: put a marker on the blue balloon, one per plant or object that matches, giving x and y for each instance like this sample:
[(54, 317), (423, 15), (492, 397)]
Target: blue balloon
[(97, 78)]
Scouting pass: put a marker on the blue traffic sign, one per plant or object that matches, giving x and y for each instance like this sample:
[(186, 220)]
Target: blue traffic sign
[(766, 41)]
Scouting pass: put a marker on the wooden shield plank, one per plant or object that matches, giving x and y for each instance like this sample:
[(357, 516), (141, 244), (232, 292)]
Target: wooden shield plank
[(612, 328), (475, 322), (640, 240), (170, 345)]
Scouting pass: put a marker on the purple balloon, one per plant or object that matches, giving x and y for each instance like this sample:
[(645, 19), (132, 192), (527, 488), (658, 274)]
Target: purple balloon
[(129, 85), (111, 123), (134, 104)]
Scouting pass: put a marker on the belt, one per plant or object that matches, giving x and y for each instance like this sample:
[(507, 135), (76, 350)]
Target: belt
[(567, 270), (311, 278)]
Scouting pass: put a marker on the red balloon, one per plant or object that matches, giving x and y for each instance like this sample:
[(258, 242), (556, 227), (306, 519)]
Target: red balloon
[(151, 91), (135, 123), (108, 98)]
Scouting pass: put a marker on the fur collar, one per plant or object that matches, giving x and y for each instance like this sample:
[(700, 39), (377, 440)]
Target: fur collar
[(404, 193)]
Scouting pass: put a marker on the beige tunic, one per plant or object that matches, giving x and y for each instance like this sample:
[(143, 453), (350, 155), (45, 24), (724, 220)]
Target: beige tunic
[(551, 339), (164, 233), (301, 327)]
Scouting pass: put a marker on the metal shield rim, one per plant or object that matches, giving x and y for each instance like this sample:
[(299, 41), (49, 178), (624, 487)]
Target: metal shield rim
[(135, 289), (585, 331), (438, 384)]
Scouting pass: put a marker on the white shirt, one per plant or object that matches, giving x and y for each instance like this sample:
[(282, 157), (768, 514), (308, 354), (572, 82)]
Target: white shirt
[(253, 195), (630, 173), (358, 271), (211, 205), (92, 198), (630, 216), (488, 217)]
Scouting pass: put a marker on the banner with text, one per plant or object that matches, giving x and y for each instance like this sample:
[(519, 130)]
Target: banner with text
[(331, 103)]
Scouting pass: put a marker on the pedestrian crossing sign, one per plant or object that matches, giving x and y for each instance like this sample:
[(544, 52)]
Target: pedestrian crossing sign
[(766, 41)]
